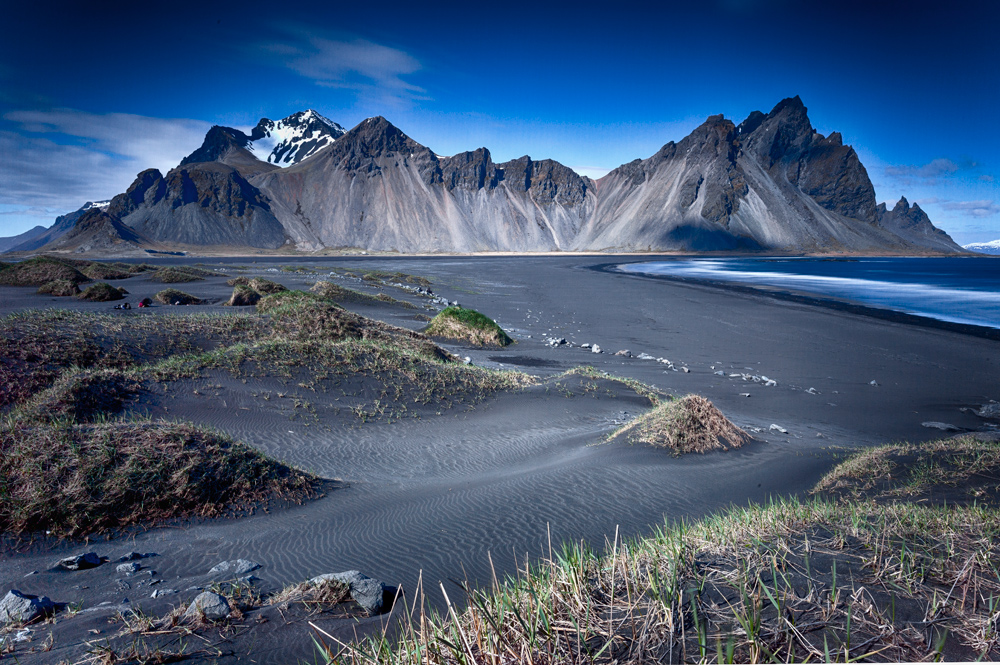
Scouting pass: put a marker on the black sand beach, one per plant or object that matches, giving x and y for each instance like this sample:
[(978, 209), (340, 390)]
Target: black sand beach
[(441, 496)]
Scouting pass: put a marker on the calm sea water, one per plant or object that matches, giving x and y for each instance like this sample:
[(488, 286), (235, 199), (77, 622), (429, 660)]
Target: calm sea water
[(960, 290)]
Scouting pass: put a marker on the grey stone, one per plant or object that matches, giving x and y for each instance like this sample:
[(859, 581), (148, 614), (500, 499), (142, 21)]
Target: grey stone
[(17, 607), (596, 348), (365, 591), (209, 605), (236, 568), (162, 592), (991, 410), (944, 427), (80, 561), (128, 568), (778, 428)]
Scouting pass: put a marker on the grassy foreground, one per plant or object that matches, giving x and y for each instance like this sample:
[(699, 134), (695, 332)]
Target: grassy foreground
[(793, 581)]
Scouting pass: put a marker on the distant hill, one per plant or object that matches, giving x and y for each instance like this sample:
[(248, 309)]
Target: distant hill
[(991, 247), (770, 183)]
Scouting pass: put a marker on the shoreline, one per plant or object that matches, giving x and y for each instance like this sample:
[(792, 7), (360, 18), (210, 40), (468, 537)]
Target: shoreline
[(828, 302)]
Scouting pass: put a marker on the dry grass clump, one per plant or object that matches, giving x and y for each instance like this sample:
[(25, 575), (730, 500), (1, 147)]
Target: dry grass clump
[(40, 270), (59, 287), (266, 286), (397, 277), (956, 470), (175, 297), (179, 274), (469, 326), (340, 294), (243, 296), (98, 270), (239, 281), (319, 594), (102, 292), (690, 424), (41, 344), (789, 582), (77, 479)]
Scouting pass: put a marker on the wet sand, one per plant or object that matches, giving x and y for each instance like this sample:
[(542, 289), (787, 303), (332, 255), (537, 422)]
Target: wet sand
[(439, 495)]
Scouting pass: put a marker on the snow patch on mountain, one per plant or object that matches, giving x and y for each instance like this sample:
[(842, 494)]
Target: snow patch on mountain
[(95, 204), (292, 139), (991, 247)]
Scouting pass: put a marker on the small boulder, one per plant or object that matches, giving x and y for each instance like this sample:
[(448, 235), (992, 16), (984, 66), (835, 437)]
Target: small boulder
[(778, 428), (624, 352), (80, 561), (17, 607), (365, 591), (233, 569), (944, 427), (128, 568), (596, 348), (208, 605), (991, 410)]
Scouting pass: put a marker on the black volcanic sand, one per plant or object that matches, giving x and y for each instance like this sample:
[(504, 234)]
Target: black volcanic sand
[(439, 494)]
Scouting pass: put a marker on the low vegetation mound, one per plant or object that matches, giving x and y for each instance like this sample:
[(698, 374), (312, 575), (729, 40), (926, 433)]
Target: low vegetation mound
[(690, 424), (179, 274), (469, 326), (59, 287), (102, 292), (955, 471), (339, 294), (243, 296), (266, 286), (39, 271), (97, 270), (41, 344), (302, 316), (395, 277), (77, 479), (242, 280), (175, 297)]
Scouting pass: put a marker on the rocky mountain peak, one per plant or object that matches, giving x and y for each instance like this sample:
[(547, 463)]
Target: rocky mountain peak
[(218, 141), (291, 140)]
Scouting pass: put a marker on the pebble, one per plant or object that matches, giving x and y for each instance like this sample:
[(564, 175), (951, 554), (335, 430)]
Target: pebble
[(778, 428)]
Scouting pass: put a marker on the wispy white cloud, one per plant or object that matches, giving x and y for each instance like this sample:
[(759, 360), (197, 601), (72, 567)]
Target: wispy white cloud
[(56, 160), (933, 169), (354, 64), (983, 208)]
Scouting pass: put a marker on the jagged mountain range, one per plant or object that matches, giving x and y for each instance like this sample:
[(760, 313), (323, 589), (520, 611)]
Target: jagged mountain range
[(770, 183), (991, 247)]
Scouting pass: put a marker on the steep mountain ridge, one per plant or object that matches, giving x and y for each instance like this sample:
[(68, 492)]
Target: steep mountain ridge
[(770, 183)]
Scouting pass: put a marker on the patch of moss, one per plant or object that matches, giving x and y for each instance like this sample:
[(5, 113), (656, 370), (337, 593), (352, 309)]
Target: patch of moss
[(175, 297), (39, 271), (98, 270), (102, 292), (59, 287), (467, 325)]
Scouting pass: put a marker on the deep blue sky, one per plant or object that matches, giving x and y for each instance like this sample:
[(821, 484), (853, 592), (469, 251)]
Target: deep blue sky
[(91, 93)]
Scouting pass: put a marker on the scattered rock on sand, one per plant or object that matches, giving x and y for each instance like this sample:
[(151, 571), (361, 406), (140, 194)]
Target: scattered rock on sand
[(209, 605), (236, 568), (80, 561), (944, 427), (365, 591), (17, 607), (624, 352), (128, 568), (991, 410), (595, 348), (873, 383), (778, 428), (813, 391)]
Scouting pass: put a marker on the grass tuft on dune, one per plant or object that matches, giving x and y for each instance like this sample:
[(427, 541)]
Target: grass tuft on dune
[(469, 326), (59, 287), (176, 297), (38, 271), (79, 479), (102, 292), (690, 424), (177, 275)]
